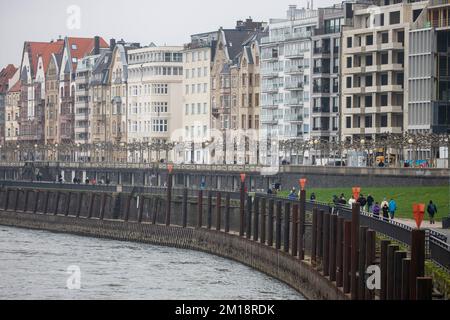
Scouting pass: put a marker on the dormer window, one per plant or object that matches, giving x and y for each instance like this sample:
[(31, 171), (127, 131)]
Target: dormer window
[(74, 47)]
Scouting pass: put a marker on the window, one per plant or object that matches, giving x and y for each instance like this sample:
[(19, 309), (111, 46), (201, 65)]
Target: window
[(349, 102), (368, 101), (349, 62), (400, 58), (384, 121), (349, 82), (384, 100), (401, 37), (161, 89), (394, 17), (369, 60), (384, 79), (368, 122), (369, 40), (384, 37), (384, 58), (160, 107), (159, 125), (379, 20), (369, 81), (400, 79), (348, 122), (349, 42)]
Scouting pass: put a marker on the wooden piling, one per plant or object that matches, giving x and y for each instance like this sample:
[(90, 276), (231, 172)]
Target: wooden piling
[(295, 240), (347, 256), (384, 244), (286, 222), (417, 260), (326, 244)]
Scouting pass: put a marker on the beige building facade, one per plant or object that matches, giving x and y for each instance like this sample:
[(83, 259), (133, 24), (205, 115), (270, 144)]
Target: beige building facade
[(197, 115), (375, 70), (12, 111)]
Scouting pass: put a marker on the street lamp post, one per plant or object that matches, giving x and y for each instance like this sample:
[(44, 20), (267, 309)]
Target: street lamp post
[(411, 157)]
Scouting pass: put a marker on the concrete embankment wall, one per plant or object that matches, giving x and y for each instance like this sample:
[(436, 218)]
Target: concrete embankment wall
[(282, 266)]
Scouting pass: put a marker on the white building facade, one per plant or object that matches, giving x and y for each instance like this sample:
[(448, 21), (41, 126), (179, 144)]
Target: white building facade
[(155, 100)]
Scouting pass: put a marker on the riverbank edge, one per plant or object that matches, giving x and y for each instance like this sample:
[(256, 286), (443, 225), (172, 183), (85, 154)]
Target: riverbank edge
[(297, 274)]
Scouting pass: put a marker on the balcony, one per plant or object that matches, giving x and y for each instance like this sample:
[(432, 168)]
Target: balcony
[(294, 102), (270, 89), (321, 110), (270, 74), (272, 39), (294, 54), (270, 106), (322, 50), (321, 89), (268, 120), (323, 70), (294, 118), (294, 70), (294, 86), (298, 35)]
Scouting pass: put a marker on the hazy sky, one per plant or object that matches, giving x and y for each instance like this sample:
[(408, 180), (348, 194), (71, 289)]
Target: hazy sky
[(168, 22)]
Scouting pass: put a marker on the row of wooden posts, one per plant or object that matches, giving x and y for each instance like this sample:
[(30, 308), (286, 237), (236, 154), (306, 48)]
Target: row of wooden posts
[(341, 249)]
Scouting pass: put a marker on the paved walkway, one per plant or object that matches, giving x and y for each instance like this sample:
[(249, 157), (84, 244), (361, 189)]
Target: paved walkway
[(426, 224)]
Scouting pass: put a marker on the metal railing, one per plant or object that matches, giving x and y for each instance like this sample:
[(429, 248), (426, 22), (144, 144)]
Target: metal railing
[(438, 248)]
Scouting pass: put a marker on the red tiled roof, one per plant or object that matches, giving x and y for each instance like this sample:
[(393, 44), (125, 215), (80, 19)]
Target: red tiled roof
[(6, 74), (16, 87), (44, 50), (84, 46)]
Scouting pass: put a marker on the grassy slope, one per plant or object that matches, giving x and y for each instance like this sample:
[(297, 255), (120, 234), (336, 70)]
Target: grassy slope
[(404, 196)]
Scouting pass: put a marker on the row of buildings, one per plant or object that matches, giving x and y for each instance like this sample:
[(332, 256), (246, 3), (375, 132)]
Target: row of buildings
[(354, 71)]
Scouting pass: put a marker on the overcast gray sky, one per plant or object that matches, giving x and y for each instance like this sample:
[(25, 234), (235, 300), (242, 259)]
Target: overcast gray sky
[(168, 22)]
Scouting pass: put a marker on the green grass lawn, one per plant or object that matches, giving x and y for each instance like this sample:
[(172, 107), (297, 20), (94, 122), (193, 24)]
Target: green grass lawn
[(404, 196)]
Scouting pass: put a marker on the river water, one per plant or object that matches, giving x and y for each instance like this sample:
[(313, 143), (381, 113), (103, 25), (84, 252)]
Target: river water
[(38, 264)]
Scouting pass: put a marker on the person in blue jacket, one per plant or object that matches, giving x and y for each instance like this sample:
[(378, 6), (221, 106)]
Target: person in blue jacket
[(292, 195), (392, 208)]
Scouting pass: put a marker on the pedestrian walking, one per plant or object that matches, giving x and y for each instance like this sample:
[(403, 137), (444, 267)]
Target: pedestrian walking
[(292, 195), (370, 201), (376, 210), (385, 209), (362, 201), (392, 208), (335, 200), (351, 201), (313, 197), (432, 210), (342, 200)]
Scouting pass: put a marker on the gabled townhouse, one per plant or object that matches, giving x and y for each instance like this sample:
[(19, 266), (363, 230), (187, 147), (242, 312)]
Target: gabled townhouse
[(246, 95), (74, 50), (36, 57), (7, 75), (224, 105), (118, 78), (100, 100), (51, 100)]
